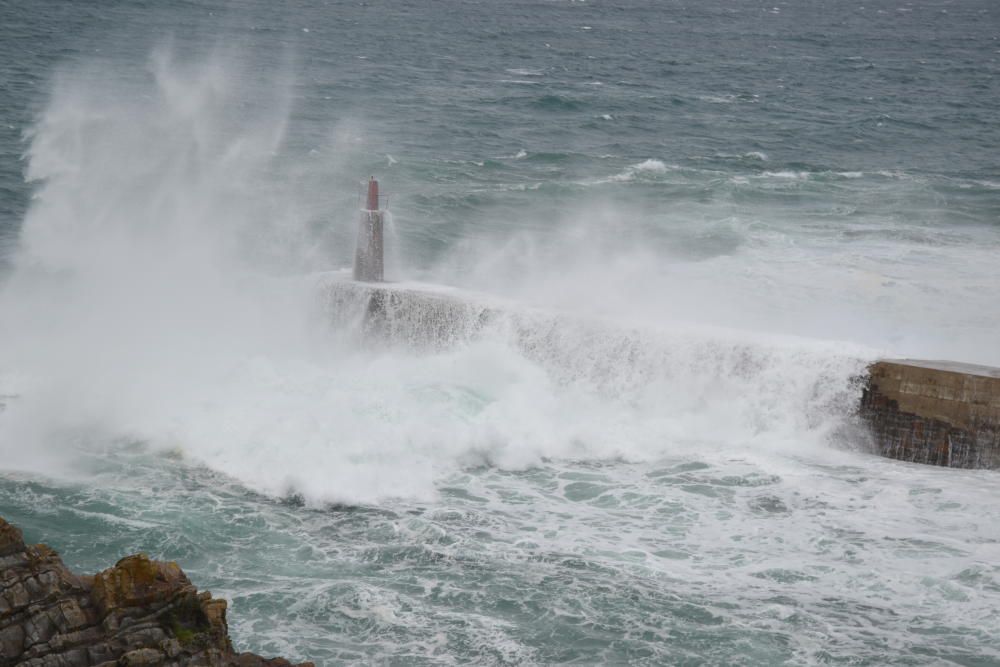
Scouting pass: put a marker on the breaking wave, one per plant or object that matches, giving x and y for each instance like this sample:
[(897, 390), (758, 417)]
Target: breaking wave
[(147, 308)]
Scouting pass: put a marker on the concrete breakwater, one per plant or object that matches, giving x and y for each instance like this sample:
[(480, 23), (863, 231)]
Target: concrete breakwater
[(935, 413)]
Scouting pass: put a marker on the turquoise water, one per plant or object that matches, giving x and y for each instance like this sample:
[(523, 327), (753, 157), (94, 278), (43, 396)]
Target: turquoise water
[(694, 559), (700, 223)]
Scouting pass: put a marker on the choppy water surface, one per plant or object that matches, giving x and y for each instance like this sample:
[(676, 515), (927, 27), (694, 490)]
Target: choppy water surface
[(698, 223), (717, 558)]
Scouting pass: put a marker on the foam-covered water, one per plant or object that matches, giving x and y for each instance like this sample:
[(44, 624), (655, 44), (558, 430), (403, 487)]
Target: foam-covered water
[(675, 235)]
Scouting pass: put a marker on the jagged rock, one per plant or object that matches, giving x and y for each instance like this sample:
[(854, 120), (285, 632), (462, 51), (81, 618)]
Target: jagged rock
[(139, 613)]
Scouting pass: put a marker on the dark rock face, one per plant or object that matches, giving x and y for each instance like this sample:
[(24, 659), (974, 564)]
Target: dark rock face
[(139, 613), (934, 412)]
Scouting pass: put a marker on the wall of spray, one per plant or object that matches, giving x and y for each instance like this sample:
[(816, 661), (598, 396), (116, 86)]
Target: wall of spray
[(157, 298)]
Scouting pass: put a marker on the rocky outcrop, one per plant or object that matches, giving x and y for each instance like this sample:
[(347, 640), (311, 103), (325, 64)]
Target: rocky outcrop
[(139, 613), (935, 412)]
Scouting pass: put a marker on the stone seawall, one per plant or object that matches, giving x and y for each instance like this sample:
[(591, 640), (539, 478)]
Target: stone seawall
[(934, 412)]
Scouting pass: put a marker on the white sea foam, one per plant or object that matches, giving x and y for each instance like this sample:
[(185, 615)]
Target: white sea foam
[(649, 167), (787, 174), (752, 155), (524, 71), (718, 99)]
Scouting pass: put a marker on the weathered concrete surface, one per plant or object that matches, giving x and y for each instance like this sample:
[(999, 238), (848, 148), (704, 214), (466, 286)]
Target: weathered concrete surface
[(935, 412), (139, 613)]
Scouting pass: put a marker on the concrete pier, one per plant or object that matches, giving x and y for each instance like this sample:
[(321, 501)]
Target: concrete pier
[(934, 412)]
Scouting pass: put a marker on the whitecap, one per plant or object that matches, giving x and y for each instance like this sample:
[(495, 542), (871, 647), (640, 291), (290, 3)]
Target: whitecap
[(651, 165), (520, 155), (786, 174), (523, 71), (718, 99)]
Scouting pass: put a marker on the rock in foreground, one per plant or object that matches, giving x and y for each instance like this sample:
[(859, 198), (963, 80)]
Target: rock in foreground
[(140, 612)]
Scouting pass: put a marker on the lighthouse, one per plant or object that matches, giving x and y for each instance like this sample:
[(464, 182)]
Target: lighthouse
[(369, 265)]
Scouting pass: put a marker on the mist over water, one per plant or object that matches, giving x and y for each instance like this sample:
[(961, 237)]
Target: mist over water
[(138, 276), (692, 228)]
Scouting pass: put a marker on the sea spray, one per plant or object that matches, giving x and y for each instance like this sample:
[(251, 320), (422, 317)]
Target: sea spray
[(145, 309), (143, 268)]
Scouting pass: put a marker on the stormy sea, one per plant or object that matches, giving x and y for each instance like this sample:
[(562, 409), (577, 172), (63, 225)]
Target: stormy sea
[(696, 224)]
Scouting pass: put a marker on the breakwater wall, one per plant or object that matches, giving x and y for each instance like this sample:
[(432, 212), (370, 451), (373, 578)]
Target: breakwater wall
[(934, 412), (695, 382)]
